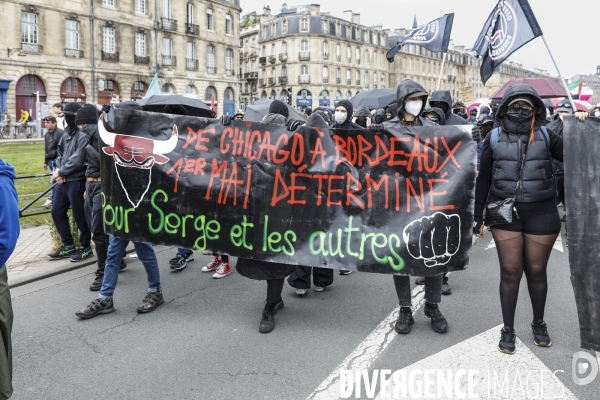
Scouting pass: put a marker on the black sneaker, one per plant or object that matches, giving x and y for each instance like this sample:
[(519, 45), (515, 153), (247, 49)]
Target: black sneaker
[(267, 322), (540, 334), (97, 284), (82, 254), (150, 302), (446, 289), (62, 252), (123, 265), (405, 320), (177, 259), (420, 280), (508, 338), (181, 264), (97, 306), (345, 272), (438, 322)]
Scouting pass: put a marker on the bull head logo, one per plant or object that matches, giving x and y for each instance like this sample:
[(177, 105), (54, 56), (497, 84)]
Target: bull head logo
[(134, 157)]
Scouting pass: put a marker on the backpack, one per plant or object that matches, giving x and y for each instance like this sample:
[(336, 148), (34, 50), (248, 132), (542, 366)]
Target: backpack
[(495, 134)]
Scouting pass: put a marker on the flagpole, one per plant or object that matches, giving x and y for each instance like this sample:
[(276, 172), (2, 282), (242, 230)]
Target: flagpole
[(441, 72), (561, 77)]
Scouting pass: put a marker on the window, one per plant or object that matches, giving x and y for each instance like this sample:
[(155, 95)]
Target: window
[(338, 74), (338, 52), (210, 94), (348, 75), (167, 9), (273, 73), (303, 45), (210, 59), (264, 74), (228, 24), (367, 37), (140, 44), (190, 13), (325, 74), (375, 79), (382, 80), (283, 48), (284, 71), (72, 85), (338, 29), (348, 95), (366, 78), (348, 54), (264, 31), (228, 61), (348, 32), (366, 56), (304, 24), (209, 20), (29, 28), (139, 87), (325, 50), (304, 70), (108, 39), (228, 95), (357, 77), (273, 29), (382, 58), (273, 49), (357, 55), (140, 6), (325, 26), (167, 47), (72, 35), (273, 95), (191, 91), (284, 26), (109, 85), (190, 51), (337, 97), (374, 58), (108, 3)]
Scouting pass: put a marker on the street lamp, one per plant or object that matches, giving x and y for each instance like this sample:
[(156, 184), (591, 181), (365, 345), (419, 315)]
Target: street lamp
[(11, 51)]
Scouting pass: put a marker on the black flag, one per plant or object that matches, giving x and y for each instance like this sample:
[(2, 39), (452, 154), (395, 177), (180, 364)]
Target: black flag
[(510, 26), (434, 36)]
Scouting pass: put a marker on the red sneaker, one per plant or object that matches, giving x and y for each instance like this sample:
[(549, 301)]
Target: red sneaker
[(213, 264), (223, 270)]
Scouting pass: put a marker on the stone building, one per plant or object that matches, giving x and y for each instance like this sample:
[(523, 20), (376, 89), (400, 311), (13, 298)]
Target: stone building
[(99, 51), (310, 55), (593, 82)]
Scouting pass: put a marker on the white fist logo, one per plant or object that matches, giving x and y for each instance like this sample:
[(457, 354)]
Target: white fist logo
[(434, 239)]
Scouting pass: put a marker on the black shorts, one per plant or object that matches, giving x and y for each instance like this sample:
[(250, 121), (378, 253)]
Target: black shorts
[(533, 224)]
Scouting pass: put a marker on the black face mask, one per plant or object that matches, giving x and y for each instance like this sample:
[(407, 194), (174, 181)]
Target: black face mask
[(362, 122), (518, 121), (70, 120), (486, 128)]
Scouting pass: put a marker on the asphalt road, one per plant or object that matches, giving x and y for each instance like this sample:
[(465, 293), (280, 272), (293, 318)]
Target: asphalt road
[(203, 343)]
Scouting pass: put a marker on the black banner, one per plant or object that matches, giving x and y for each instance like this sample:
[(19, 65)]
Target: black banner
[(582, 197), (399, 201)]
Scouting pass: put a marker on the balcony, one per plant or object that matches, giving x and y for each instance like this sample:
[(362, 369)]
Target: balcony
[(338, 80), (106, 56), (229, 72), (366, 86), (31, 48), (349, 59), (272, 59), (262, 82), (358, 82), (304, 56), (338, 58), (272, 81), (374, 86), (169, 24), (213, 70), (169, 61), (325, 79), (192, 29), (251, 75), (304, 79), (283, 80), (262, 60), (245, 54), (283, 57), (191, 64), (349, 81), (358, 61), (73, 53), (325, 56), (253, 54), (145, 60)]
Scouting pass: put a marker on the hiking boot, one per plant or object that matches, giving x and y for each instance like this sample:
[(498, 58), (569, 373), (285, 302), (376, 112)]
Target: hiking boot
[(508, 338), (212, 265), (319, 288), (405, 320), (438, 322), (301, 292), (540, 334), (267, 322), (47, 204), (82, 254), (345, 272), (420, 280), (223, 270), (97, 306), (177, 259), (150, 302), (62, 252), (445, 287), (97, 284), (181, 264)]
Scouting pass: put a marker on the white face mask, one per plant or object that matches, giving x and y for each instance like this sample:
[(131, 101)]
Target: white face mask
[(414, 107), (340, 117)]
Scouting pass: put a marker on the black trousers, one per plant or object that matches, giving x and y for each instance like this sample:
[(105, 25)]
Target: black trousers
[(70, 194), (300, 278), (274, 289), (433, 289), (94, 218), (560, 187)]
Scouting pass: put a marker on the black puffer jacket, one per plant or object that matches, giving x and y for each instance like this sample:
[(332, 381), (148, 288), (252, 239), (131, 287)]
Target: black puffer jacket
[(92, 151), (71, 155), (348, 124), (51, 140), (405, 89), (444, 96), (556, 126)]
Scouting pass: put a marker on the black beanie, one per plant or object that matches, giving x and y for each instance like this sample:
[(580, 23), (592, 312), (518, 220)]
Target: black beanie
[(87, 115)]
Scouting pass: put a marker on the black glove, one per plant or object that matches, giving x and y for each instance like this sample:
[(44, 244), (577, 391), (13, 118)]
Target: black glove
[(226, 120), (478, 226), (376, 127), (475, 134), (293, 124)]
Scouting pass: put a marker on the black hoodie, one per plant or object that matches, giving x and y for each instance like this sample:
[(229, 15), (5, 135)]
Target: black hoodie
[(444, 96), (405, 89), (437, 111), (348, 124)]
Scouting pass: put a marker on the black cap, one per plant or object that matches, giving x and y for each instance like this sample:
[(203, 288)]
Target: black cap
[(87, 115), (71, 108)]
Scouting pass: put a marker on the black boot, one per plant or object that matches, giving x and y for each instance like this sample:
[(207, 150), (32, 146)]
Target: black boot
[(420, 280), (267, 322), (405, 320), (97, 284), (438, 322), (445, 287)]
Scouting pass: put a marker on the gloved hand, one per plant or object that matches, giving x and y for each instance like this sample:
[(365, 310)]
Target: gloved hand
[(293, 124), (475, 134), (226, 119), (478, 227), (376, 127)]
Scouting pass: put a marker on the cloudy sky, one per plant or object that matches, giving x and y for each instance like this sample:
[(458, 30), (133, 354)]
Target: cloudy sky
[(571, 32)]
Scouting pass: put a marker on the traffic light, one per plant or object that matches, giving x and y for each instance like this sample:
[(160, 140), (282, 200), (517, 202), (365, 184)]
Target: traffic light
[(289, 97)]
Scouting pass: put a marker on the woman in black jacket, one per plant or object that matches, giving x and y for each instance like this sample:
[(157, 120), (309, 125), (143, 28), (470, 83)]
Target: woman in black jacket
[(517, 163)]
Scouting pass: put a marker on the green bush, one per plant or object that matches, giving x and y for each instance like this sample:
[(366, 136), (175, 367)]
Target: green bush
[(56, 237)]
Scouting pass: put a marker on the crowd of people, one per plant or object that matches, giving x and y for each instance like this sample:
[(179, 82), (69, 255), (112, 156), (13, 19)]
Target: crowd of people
[(517, 138)]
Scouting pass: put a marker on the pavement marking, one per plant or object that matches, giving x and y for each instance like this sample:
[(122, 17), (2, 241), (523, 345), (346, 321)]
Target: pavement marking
[(500, 375)]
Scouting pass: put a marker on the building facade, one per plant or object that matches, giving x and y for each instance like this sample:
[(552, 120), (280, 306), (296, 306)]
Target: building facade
[(102, 51), (310, 57), (593, 82)]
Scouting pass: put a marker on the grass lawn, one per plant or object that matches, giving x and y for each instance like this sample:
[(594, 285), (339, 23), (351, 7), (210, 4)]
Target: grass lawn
[(28, 159)]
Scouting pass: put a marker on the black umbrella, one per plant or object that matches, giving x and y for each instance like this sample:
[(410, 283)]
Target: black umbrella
[(260, 108), (374, 98), (176, 104)]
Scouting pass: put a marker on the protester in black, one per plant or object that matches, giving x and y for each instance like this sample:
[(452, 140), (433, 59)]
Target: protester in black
[(343, 116), (556, 125), (443, 99), (51, 139), (519, 165), (70, 176)]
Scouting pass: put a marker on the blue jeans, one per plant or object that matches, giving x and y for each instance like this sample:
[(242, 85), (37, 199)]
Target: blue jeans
[(184, 252), (51, 168), (116, 249)]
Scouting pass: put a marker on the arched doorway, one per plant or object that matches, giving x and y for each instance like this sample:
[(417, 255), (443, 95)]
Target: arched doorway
[(263, 95), (209, 95), (138, 90), (304, 99), (26, 96), (190, 91), (108, 92), (285, 95), (167, 88), (273, 95), (72, 89), (228, 102), (337, 98), (324, 98)]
